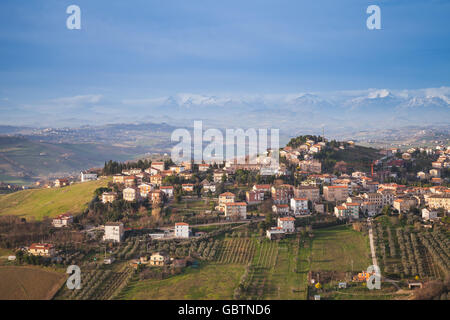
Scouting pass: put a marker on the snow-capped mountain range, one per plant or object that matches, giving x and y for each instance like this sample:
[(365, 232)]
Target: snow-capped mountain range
[(307, 111)]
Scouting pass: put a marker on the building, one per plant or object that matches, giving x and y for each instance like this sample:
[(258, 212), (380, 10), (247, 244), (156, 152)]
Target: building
[(156, 179), (286, 224), (88, 176), (224, 198), (309, 192), (181, 230), (63, 220), (275, 233), (217, 176), (61, 183), (144, 189), (236, 210), (156, 196), (310, 166), (352, 210), (261, 188), (187, 187), (335, 193), (299, 205), (203, 167), (109, 197), (374, 197), (113, 231), (428, 214), (130, 194), (404, 204), (129, 181), (280, 209), (152, 171), (159, 259), (437, 201), (282, 194), (167, 190), (254, 197), (42, 249), (158, 165), (118, 178), (132, 171)]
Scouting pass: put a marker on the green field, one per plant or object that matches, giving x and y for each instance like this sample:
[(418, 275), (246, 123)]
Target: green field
[(338, 248), (276, 269), (207, 282), (39, 203)]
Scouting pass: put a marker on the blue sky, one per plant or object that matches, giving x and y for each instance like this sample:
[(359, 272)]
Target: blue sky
[(143, 48)]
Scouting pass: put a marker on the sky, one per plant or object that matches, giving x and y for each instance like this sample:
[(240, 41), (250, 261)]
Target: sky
[(140, 49)]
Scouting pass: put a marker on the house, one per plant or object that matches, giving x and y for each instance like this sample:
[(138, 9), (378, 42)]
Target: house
[(144, 189), (254, 197), (309, 192), (286, 224), (130, 194), (152, 171), (280, 209), (167, 190), (203, 167), (177, 169), (118, 178), (63, 220), (42, 249), (113, 231), (374, 197), (208, 186), (236, 210), (156, 179), (313, 165), (340, 212), (132, 171), (159, 259), (428, 214), (275, 233), (159, 165), (181, 230), (370, 208), (217, 176), (261, 188), (404, 204), (299, 205), (109, 197), (59, 183), (437, 201), (352, 210), (224, 198), (282, 194), (186, 175), (187, 187), (129, 181), (87, 176), (335, 193), (156, 196)]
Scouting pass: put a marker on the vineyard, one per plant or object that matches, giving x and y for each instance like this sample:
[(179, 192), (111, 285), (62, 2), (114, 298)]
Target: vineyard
[(407, 253), (236, 250)]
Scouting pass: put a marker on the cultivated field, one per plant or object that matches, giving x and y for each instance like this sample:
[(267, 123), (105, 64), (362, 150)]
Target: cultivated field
[(207, 282), (39, 203), (29, 283)]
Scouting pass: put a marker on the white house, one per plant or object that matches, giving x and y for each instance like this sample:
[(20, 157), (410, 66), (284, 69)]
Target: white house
[(428, 214), (63, 220), (167, 190), (113, 231), (286, 224), (88, 176), (299, 205), (181, 230)]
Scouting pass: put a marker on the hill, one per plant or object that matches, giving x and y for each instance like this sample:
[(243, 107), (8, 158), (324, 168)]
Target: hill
[(23, 159), (39, 203)]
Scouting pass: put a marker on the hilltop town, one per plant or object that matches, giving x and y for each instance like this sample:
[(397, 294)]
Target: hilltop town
[(154, 220)]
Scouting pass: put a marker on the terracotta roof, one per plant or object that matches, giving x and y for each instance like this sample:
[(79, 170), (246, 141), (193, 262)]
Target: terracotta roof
[(287, 219)]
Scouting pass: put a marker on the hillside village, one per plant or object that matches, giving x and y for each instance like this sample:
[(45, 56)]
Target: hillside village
[(158, 214)]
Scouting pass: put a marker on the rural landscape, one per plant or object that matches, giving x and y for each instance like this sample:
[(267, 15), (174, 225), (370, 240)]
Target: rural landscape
[(224, 158)]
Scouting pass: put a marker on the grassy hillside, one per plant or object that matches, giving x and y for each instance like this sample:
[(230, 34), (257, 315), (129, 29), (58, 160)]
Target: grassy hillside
[(39, 203)]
